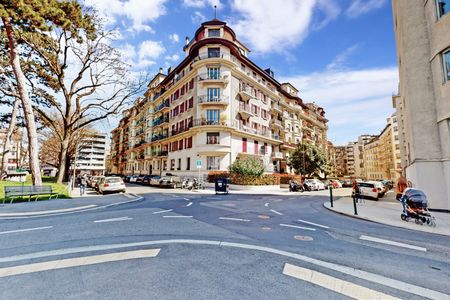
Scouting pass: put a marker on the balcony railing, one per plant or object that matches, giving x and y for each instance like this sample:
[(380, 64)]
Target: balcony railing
[(160, 121), (159, 137), (204, 99), (162, 105)]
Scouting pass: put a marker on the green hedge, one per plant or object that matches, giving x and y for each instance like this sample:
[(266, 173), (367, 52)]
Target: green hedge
[(238, 179)]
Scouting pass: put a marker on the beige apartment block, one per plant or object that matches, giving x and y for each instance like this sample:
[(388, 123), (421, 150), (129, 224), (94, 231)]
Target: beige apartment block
[(341, 161), (423, 102), (216, 106), (15, 156)]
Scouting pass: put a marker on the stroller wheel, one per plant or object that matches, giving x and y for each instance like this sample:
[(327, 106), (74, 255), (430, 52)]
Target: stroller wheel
[(403, 217)]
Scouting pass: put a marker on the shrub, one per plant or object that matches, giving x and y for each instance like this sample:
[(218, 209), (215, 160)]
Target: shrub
[(286, 178), (213, 175), (253, 180), (248, 166)]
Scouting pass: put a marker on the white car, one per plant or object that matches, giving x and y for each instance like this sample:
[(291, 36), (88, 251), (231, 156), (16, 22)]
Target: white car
[(380, 187), (368, 189), (315, 184), (111, 184), (133, 178)]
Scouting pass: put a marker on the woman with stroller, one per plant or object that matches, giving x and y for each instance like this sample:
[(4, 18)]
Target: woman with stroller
[(402, 184)]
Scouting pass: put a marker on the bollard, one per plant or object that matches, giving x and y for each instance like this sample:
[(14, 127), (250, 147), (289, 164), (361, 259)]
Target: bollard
[(331, 195), (354, 205)]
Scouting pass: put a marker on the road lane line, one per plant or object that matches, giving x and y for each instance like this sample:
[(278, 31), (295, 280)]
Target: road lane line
[(189, 204), (298, 227), (267, 204), (177, 216), (76, 262), (26, 229), (162, 211), (187, 199), (337, 285), (388, 242), (311, 223), (45, 212), (113, 220), (277, 212), (234, 219)]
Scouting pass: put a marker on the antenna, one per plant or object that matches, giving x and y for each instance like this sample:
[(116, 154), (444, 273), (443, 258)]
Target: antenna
[(215, 11)]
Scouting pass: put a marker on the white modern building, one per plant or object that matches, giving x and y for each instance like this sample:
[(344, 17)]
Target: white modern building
[(91, 154)]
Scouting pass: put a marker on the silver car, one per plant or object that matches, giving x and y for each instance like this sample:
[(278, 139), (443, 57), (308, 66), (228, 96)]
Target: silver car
[(111, 184)]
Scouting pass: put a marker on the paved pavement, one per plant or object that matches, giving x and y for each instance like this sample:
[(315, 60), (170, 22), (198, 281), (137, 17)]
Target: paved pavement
[(201, 246)]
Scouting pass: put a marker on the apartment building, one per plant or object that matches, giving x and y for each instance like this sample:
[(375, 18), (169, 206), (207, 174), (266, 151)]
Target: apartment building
[(91, 154), (216, 106), (15, 156), (423, 102), (341, 161)]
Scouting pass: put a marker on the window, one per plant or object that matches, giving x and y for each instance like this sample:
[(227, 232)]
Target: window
[(191, 102), (213, 94), (189, 142), (213, 52), (188, 163), (172, 164), (446, 61), (256, 147), (443, 7), (213, 73), (213, 32), (179, 164), (212, 163), (244, 145), (212, 138), (212, 116)]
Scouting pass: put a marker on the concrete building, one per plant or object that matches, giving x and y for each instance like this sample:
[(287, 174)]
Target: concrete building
[(91, 154), (214, 107), (15, 156), (423, 102), (341, 161)]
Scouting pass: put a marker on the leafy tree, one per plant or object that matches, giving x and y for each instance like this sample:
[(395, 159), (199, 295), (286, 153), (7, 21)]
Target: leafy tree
[(307, 159), (247, 165)]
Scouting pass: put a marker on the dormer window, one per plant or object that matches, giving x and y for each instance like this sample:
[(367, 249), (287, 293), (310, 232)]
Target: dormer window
[(213, 32)]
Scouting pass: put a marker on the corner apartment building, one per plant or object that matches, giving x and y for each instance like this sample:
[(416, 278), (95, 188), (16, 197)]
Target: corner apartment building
[(423, 102), (91, 154), (213, 108), (15, 155)]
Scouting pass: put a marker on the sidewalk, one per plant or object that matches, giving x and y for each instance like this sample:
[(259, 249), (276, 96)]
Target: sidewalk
[(387, 211)]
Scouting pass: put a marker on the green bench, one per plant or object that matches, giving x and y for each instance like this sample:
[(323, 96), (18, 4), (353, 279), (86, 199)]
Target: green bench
[(12, 192)]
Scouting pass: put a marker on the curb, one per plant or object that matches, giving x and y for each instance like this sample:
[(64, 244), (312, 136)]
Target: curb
[(37, 215), (377, 222)]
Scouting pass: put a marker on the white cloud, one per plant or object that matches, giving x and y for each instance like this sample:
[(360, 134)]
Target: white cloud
[(198, 18), (150, 49), (339, 61), (143, 55), (139, 12), (174, 57), (360, 7), (285, 23), (202, 3), (355, 101), (174, 37)]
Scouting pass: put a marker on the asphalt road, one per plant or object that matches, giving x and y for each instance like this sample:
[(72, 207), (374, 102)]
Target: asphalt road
[(218, 247)]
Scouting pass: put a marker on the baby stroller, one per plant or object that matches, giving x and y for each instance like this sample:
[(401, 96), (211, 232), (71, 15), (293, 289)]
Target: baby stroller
[(415, 205)]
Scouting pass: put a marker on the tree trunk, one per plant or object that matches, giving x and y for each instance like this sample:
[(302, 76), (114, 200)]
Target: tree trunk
[(63, 161), (33, 149), (7, 141)]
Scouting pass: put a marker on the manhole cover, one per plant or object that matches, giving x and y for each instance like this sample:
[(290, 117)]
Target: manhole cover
[(303, 238), (263, 217), (266, 228)]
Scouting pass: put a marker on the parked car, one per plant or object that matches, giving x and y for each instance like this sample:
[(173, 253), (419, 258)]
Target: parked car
[(111, 184), (336, 184), (155, 180), (146, 179), (93, 181), (97, 182), (347, 183), (127, 178), (133, 178), (380, 187), (314, 184), (368, 189), (171, 181), (140, 179), (319, 184)]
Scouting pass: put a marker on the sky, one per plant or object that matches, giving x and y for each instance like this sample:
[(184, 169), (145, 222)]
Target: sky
[(340, 54)]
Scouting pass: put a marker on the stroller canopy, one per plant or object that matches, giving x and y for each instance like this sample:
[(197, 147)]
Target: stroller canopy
[(415, 195)]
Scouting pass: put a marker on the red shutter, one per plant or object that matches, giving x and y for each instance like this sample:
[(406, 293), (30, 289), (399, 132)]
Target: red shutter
[(256, 147), (244, 145), (191, 84), (180, 144), (190, 142), (191, 102)]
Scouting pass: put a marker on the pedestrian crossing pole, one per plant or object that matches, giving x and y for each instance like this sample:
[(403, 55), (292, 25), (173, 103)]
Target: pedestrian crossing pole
[(331, 195)]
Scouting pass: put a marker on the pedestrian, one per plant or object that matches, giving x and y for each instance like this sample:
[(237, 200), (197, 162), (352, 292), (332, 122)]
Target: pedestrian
[(83, 184), (402, 184), (356, 193)]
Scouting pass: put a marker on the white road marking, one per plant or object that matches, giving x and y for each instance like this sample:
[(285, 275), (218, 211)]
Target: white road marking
[(189, 204), (45, 212), (128, 196), (234, 219), (388, 242), (177, 216), (375, 278), (187, 199), (311, 223), (267, 204), (75, 262), (26, 229), (277, 212), (337, 285), (298, 227), (113, 220), (162, 211)]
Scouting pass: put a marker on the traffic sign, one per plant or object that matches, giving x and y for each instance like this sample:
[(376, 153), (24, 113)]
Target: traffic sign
[(198, 163)]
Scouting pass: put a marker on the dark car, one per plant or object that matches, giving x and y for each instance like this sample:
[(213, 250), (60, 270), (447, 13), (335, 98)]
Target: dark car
[(127, 178), (140, 179), (146, 179)]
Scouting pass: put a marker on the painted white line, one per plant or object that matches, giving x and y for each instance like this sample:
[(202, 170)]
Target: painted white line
[(189, 204), (267, 204), (128, 196), (311, 223), (113, 220), (76, 262), (298, 227), (177, 216), (337, 285), (388, 242), (375, 278), (26, 229), (277, 212), (45, 212), (234, 219), (162, 211), (187, 199)]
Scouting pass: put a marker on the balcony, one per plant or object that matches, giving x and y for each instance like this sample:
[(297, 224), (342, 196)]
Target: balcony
[(205, 122), (277, 123), (206, 79), (245, 93), (164, 105), (277, 155), (205, 101), (276, 107), (245, 111), (251, 130), (158, 137), (160, 121)]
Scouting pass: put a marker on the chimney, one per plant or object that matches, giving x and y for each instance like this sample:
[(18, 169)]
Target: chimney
[(169, 69), (160, 70), (270, 72), (187, 40)]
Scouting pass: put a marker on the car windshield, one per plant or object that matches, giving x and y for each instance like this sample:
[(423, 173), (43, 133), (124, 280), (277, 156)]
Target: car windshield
[(113, 180)]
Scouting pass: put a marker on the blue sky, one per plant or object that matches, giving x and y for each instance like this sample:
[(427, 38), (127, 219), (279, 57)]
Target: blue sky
[(338, 53)]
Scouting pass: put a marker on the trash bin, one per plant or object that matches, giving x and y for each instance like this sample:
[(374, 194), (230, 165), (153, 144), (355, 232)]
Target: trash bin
[(222, 185)]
